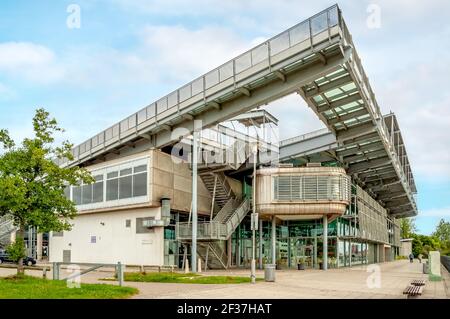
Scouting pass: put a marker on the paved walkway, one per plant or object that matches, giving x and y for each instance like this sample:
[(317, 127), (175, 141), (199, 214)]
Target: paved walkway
[(355, 282)]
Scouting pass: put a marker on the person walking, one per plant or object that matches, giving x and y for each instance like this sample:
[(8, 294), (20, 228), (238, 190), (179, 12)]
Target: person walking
[(411, 257)]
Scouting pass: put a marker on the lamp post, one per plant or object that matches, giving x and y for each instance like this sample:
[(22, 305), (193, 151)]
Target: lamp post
[(254, 219)]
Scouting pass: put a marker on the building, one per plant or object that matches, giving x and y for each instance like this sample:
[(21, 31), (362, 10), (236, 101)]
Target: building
[(406, 247), (329, 198)]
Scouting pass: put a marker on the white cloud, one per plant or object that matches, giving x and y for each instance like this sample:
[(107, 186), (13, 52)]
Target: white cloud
[(28, 60), (443, 212), (184, 53)]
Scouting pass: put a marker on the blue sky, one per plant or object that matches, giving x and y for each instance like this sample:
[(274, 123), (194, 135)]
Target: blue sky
[(128, 53)]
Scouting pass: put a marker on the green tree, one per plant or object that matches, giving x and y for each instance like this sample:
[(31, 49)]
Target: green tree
[(442, 231), (16, 250), (407, 227), (32, 184)]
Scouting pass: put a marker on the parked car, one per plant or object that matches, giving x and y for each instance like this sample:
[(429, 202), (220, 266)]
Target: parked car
[(27, 261)]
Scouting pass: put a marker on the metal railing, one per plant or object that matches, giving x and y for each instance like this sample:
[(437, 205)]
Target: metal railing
[(214, 230), (231, 74)]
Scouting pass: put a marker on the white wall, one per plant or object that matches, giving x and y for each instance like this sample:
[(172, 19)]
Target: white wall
[(114, 241)]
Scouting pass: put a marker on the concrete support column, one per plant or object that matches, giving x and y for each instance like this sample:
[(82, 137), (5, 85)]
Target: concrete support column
[(325, 242), (260, 244), (274, 240)]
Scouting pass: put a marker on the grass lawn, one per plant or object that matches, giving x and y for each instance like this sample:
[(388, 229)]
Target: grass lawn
[(36, 288), (184, 278)]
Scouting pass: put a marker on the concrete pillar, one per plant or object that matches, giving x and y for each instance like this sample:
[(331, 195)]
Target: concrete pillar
[(325, 242), (274, 240), (260, 244)]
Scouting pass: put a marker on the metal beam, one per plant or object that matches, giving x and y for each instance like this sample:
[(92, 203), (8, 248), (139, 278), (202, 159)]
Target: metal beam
[(339, 103), (356, 131), (361, 167), (329, 86)]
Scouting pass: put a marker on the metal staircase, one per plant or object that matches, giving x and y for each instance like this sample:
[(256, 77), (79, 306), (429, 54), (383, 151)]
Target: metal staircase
[(213, 254), (213, 233), (230, 208), (218, 187), (6, 228)]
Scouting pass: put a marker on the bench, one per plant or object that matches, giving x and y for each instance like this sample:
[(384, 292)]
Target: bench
[(415, 288), (418, 282)]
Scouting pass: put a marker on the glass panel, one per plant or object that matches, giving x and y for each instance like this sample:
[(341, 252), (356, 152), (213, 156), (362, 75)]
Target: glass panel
[(132, 121), (197, 86), (126, 171), (140, 168), (212, 78), (112, 175), (259, 54), (97, 192), (226, 71), (108, 134), (112, 191), (279, 44), (140, 184), (142, 116), (76, 195), (124, 126), (125, 190), (100, 138), (151, 109), (87, 194), (319, 23), (115, 130), (161, 105), (67, 192), (299, 33), (243, 62), (185, 93), (333, 16), (172, 99)]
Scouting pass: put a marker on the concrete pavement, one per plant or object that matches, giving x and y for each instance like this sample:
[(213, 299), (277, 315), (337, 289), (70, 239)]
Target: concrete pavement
[(386, 280)]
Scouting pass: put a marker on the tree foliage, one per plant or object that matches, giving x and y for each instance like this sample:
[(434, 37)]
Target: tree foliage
[(16, 250), (32, 184), (407, 227), (423, 244)]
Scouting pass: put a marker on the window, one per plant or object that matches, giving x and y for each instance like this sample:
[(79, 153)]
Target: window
[(140, 181), (128, 223), (97, 189), (112, 186), (125, 187), (125, 183), (76, 195)]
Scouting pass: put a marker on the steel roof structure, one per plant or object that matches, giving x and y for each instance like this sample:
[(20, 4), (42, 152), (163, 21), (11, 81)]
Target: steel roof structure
[(364, 158), (315, 58)]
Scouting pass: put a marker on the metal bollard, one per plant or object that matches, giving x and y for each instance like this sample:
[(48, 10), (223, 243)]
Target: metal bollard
[(44, 272), (55, 271), (120, 273)]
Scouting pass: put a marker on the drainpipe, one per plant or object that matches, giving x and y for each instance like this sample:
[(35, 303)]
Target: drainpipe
[(260, 244)]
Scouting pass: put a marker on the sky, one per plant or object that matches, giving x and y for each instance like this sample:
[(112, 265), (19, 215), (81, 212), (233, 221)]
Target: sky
[(121, 55)]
